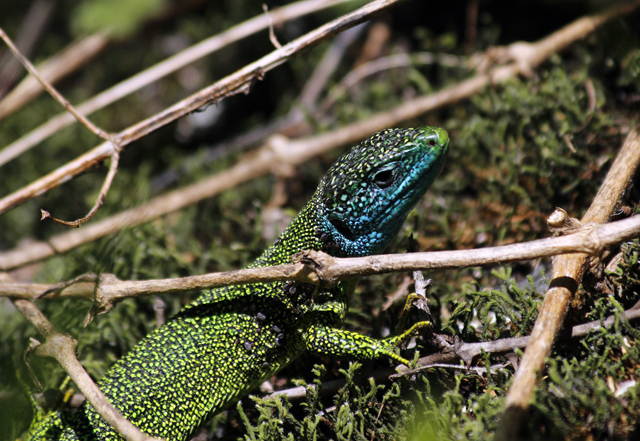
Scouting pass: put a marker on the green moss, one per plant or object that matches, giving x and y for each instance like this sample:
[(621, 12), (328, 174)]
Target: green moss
[(510, 164)]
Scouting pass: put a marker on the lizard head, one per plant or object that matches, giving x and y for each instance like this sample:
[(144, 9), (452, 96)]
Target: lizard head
[(366, 195)]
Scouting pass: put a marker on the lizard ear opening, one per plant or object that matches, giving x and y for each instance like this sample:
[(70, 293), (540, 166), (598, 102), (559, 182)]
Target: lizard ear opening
[(342, 228)]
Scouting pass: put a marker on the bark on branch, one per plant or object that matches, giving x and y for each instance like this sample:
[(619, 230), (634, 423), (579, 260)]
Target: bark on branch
[(317, 267)]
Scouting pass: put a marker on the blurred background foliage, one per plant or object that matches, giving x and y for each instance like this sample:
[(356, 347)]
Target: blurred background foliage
[(518, 150)]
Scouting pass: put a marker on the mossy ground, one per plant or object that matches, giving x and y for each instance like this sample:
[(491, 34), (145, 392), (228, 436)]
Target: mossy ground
[(518, 150)]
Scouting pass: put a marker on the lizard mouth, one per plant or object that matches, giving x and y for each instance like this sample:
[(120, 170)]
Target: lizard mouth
[(343, 229)]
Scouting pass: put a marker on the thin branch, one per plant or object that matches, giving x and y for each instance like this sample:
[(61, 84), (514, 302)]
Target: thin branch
[(478, 370), (295, 152), (450, 353), (385, 63), (31, 29), (88, 124), (325, 68), (272, 34), (317, 267), (567, 276), (53, 69), (163, 69), (74, 56), (52, 91), (467, 352), (62, 348), (238, 82), (113, 169), (292, 124), (373, 45)]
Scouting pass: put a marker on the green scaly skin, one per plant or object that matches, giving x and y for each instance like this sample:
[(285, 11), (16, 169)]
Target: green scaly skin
[(233, 338)]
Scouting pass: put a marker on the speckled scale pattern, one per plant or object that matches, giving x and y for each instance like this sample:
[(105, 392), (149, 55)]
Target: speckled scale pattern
[(233, 338), (361, 217)]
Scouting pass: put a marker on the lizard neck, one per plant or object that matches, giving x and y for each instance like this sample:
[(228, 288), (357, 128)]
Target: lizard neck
[(303, 233)]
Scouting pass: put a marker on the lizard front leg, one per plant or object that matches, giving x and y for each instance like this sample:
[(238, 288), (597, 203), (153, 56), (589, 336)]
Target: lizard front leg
[(339, 344)]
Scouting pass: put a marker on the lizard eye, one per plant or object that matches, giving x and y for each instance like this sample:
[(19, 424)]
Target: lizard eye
[(384, 178)]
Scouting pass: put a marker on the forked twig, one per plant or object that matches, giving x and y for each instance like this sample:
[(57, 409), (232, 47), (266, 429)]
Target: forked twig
[(166, 67), (84, 121), (113, 169), (239, 82)]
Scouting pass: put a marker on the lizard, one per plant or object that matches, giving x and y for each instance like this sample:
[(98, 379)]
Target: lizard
[(231, 339)]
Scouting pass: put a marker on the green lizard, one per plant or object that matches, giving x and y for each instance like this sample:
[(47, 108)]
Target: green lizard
[(234, 338)]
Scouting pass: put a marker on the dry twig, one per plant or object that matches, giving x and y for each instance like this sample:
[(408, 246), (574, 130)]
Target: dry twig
[(294, 153), (323, 71), (85, 122), (113, 169), (452, 352), (567, 275), (70, 59), (52, 91), (31, 28), (162, 69), (385, 63), (62, 349), (239, 82), (272, 34), (292, 124), (320, 268)]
